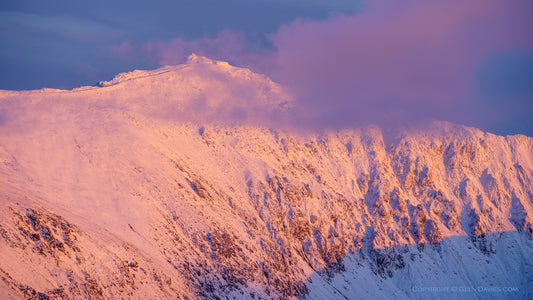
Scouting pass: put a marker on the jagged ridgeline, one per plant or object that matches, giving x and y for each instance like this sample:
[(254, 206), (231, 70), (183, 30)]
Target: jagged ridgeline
[(146, 187)]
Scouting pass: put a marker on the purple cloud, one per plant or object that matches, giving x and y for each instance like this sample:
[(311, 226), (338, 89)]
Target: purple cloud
[(393, 64), (397, 62)]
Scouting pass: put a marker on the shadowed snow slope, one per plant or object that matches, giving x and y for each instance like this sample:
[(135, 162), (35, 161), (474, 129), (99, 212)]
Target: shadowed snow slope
[(132, 190)]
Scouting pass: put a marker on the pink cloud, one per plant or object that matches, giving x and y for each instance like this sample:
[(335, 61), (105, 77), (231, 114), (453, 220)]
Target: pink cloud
[(397, 61), (124, 50)]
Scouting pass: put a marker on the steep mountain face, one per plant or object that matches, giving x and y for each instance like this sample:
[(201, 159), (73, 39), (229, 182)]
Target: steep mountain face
[(127, 190)]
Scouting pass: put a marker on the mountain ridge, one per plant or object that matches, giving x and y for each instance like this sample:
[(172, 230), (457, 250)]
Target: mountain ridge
[(109, 195)]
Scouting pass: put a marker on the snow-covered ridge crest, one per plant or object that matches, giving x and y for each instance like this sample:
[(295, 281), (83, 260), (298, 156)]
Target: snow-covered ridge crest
[(121, 77), (191, 60), (197, 59), (200, 90)]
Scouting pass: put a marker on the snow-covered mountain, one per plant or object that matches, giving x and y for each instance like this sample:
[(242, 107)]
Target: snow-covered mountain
[(176, 183)]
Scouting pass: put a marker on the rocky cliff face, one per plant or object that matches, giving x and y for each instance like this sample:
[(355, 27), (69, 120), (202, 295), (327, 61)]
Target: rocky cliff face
[(112, 192)]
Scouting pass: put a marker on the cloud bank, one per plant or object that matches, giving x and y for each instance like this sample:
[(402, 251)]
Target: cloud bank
[(393, 64), (399, 63)]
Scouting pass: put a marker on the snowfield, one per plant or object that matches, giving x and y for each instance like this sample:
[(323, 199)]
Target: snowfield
[(177, 183)]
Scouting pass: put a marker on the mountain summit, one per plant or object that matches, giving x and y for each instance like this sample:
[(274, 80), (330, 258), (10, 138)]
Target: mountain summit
[(201, 90), (192, 60), (147, 187)]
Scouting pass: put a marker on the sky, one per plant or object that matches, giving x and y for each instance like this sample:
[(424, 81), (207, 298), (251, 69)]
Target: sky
[(348, 63)]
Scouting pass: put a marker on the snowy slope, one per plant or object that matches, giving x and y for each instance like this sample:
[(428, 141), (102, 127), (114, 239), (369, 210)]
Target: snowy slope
[(171, 184)]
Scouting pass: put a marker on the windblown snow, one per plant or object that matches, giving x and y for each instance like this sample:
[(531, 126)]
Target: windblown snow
[(175, 183)]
